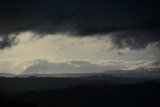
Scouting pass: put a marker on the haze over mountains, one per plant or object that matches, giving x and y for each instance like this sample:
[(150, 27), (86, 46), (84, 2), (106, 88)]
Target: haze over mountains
[(140, 73)]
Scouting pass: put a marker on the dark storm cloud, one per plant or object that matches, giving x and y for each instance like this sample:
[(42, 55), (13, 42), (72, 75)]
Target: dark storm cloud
[(136, 39), (82, 17), (7, 41)]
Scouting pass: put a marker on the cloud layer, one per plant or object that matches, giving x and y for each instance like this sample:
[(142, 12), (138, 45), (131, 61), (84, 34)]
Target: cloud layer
[(134, 23), (81, 66), (43, 66)]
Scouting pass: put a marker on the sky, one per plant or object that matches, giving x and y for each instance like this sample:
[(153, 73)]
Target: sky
[(82, 36)]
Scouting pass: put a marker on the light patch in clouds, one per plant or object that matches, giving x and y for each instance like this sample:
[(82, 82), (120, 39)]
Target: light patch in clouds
[(62, 52), (59, 45), (64, 46)]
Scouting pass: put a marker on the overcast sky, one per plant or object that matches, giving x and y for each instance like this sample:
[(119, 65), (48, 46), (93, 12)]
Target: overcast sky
[(63, 36)]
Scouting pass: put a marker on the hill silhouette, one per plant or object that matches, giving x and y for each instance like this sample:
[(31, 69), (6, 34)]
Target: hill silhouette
[(94, 91)]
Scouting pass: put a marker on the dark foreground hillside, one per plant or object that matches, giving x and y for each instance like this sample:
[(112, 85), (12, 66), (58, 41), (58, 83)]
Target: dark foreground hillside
[(146, 94), (137, 95)]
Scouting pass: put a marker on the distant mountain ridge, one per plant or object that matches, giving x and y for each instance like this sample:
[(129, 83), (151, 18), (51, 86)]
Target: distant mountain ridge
[(137, 73), (7, 75)]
